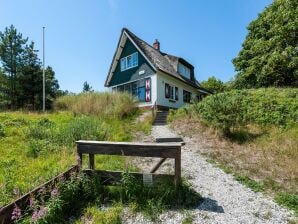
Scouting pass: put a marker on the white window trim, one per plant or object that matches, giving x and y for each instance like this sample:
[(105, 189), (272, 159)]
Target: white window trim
[(174, 92), (125, 59)]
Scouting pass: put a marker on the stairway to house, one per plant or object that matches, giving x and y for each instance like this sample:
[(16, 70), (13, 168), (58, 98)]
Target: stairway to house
[(161, 118)]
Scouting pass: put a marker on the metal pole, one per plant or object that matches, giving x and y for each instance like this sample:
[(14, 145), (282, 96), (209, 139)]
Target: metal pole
[(43, 73)]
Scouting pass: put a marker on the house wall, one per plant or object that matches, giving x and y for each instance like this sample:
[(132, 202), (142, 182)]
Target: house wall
[(153, 90), (120, 77), (161, 79)]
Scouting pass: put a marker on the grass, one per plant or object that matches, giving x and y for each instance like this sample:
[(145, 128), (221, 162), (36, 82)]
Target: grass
[(36, 146), (262, 157), (104, 104)]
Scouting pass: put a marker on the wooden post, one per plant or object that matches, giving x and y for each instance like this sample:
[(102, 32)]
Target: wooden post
[(178, 167), (91, 161), (80, 160)]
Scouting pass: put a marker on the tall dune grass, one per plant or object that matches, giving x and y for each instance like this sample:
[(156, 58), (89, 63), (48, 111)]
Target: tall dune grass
[(104, 104)]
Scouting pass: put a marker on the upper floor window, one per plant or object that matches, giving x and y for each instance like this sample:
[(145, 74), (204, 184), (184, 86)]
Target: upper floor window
[(129, 61), (183, 70)]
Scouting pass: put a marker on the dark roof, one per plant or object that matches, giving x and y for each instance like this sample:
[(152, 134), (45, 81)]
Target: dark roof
[(162, 61)]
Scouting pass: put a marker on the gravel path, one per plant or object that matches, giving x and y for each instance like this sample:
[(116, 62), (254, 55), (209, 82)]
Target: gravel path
[(225, 200)]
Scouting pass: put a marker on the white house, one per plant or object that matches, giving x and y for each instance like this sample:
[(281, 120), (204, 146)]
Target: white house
[(154, 77)]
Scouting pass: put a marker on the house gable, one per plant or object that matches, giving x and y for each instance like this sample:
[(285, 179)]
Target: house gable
[(144, 69)]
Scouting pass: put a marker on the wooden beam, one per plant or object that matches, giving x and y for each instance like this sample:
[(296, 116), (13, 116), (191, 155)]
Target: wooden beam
[(161, 161), (162, 150), (114, 177), (91, 162), (23, 202), (175, 139)]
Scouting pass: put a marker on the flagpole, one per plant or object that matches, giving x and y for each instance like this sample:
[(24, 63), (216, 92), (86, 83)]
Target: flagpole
[(43, 73)]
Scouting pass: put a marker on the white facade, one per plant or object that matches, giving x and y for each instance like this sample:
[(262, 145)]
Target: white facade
[(158, 82), (162, 100)]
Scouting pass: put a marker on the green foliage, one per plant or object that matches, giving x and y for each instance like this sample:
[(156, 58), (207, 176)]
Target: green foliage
[(38, 146), (252, 184), (213, 84), (288, 200), (152, 200), (21, 76), (98, 216), (103, 104), (236, 109), (2, 132), (269, 55), (87, 87)]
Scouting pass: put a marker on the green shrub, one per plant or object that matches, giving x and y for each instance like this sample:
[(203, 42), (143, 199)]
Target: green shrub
[(36, 147), (103, 104), (237, 108), (80, 128)]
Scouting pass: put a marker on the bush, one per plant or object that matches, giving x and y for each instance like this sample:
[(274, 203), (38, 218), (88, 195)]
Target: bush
[(79, 128), (237, 108), (106, 104)]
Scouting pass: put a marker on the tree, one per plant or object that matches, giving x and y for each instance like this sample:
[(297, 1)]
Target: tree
[(29, 78), (269, 55), (11, 54), (213, 84), (4, 98), (87, 87)]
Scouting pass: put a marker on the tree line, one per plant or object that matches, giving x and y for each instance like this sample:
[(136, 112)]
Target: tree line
[(21, 74), (269, 54)]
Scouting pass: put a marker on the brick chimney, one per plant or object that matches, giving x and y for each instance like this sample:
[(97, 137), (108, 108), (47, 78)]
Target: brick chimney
[(156, 45)]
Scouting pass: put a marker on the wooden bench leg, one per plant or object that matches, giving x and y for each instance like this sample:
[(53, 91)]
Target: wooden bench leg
[(91, 162), (178, 168), (80, 159)]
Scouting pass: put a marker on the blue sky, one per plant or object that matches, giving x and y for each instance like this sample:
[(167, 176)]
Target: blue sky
[(81, 35)]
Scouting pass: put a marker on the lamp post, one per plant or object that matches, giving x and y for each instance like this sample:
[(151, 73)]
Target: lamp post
[(43, 72)]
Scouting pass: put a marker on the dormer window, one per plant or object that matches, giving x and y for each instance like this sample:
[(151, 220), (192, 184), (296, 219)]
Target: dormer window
[(183, 70), (129, 61)]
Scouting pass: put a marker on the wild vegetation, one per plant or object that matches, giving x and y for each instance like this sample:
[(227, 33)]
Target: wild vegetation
[(21, 74), (35, 147), (250, 133), (120, 105), (269, 53)]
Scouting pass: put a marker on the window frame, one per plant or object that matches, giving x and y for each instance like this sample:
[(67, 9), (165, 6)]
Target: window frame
[(184, 70), (134, 61), (185, 100), (171, 92)]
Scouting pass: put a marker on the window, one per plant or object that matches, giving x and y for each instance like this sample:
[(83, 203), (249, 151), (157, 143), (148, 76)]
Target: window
[(186, 96), (129, 61), (171, 92), (183, 70), (137, 89)]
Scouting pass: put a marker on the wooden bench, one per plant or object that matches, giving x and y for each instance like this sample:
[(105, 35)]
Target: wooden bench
[(162, 150)]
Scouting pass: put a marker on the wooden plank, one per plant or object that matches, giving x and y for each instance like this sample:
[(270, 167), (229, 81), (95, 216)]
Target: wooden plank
[(22, 202), (178, 168), (91, 162), (162, 150), (80, 159), (114, 177), (161, 161), (174, 139)]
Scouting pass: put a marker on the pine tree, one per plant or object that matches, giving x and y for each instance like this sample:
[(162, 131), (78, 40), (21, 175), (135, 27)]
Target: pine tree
[(11, 54)]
